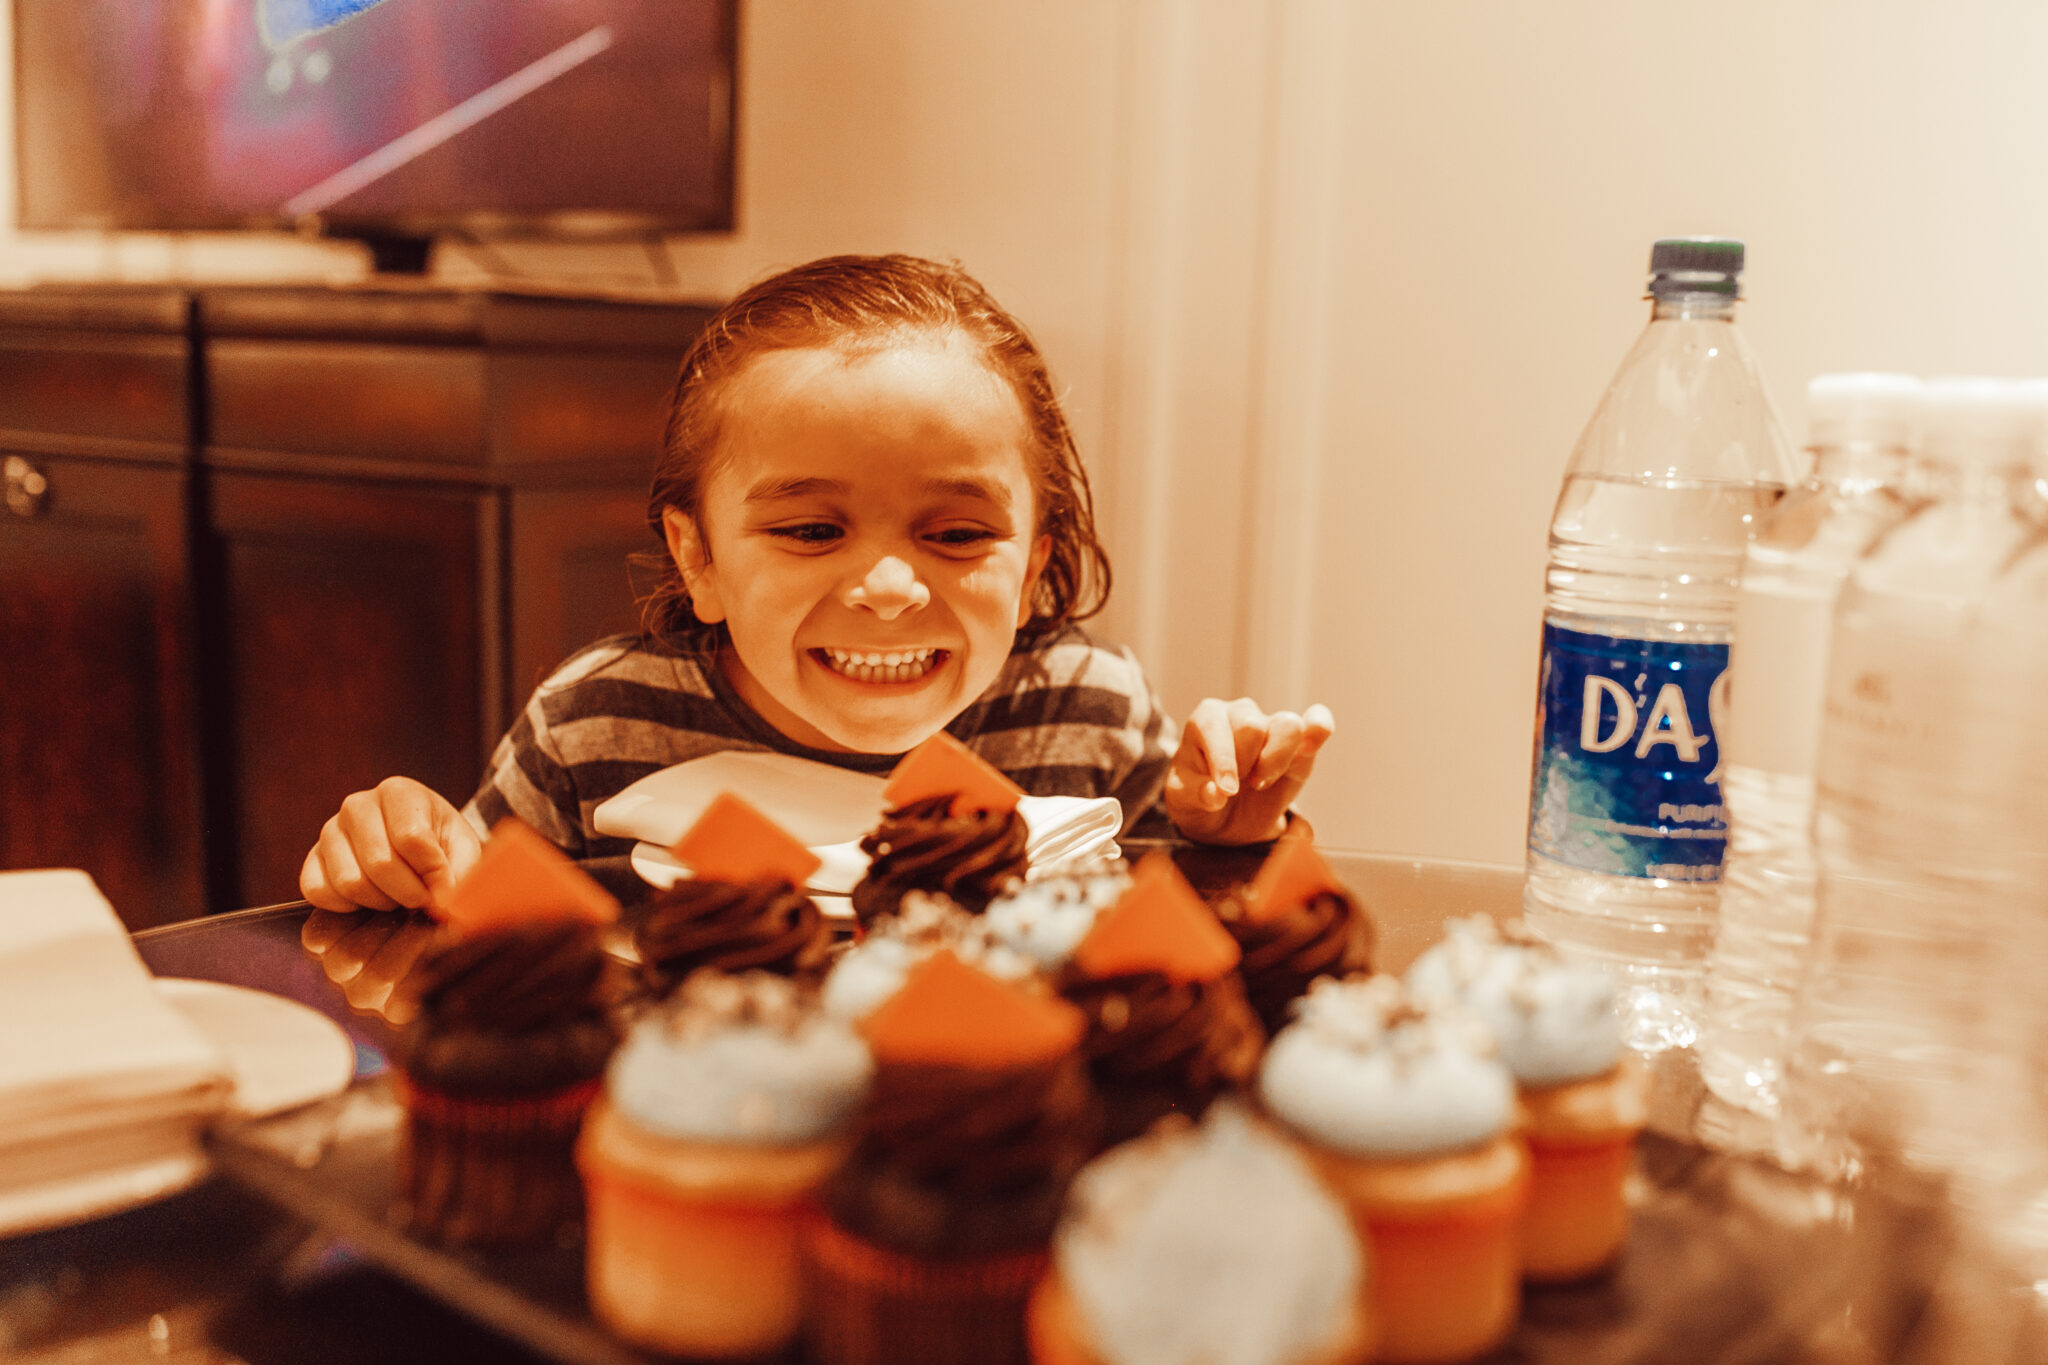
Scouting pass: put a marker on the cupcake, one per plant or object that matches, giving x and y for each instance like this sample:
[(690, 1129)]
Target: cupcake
[(874, 967), (742, 908), (951, 827), (1294, 922), (723, 1114), (509, 1034), (1168, 1025), (1411, 1119), (1581, 1090), (936, 1228), (1045, 920), (1214, 1245)]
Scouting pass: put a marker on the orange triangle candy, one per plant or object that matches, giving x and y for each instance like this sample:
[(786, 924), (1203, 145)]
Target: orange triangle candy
[(523, 879), (943, 766), (1158, 925), (1293, 874), (948, 1014), (734, 842)]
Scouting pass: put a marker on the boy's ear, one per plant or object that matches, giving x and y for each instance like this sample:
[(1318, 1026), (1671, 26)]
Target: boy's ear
[(1041, 551), (686, 547)]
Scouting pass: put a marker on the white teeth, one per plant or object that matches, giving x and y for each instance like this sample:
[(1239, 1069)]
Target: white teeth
[(877, 666)]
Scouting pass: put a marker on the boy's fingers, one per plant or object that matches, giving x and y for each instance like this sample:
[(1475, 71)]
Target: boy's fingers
[(342, 874), (1284, 732), (1186, 785), (1319, 726), (1214, 739), (461, 847), (1292, 744), (385, 832), (428, 835), (315, 887)]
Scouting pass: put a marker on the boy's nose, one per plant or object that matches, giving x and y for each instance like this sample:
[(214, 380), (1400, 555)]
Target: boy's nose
[(888, 589)]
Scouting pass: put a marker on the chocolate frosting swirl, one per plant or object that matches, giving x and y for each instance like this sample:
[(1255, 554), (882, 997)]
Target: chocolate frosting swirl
[(733, 926), (1329, 935), (508, 1010), (924, 847), (1157, 1046), (958, 1161)]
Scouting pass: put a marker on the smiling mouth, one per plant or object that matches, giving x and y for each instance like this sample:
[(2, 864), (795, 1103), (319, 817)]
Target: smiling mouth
[(880, 666)]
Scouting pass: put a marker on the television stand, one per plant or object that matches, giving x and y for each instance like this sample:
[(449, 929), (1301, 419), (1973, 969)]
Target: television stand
[(394, 253), (284, 541)]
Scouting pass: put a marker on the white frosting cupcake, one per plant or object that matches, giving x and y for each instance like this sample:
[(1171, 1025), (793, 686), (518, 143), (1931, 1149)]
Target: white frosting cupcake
[(1046, 920), (1364, 1071), (1554, 1021), (874, 969), (1214, 1243), (741, 1060)]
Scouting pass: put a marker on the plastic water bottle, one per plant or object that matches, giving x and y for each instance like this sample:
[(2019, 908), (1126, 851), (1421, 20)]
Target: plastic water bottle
[(1861, 435), (1665, 489), (2004, 751), (1891, 1007)]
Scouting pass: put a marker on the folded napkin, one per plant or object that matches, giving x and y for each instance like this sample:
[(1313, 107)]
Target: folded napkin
[(88, 1048), (830, 809)]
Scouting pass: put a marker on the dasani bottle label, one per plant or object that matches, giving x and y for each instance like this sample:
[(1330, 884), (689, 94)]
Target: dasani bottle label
[(1627, 770)]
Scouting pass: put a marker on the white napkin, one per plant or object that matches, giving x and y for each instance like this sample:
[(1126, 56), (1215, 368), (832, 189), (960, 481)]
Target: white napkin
[(830, 809), (88, 1047)]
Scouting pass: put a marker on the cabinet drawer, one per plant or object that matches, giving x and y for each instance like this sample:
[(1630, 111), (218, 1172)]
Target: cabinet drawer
[(358, 399), (110, 385)]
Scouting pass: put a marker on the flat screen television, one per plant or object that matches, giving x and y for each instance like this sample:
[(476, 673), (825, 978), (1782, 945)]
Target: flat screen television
[(393, 119)]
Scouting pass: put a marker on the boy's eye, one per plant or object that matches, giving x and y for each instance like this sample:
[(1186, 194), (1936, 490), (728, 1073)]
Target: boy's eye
[(808, 533), (962, 537)]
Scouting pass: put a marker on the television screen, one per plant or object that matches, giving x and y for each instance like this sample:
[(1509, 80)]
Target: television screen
[(393, 116)]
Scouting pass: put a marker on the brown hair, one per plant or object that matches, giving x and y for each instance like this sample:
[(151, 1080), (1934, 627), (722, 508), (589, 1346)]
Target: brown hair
[(863, 304)]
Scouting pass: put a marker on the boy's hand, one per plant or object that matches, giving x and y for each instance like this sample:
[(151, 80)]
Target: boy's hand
[(1238, 769), (400, 844)]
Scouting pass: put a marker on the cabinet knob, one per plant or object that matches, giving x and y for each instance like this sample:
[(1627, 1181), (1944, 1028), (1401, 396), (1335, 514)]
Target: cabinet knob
[(26, 487)]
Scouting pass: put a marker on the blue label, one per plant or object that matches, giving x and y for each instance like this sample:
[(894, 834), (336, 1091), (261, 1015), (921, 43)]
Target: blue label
[(284, 22), (1628, 777)]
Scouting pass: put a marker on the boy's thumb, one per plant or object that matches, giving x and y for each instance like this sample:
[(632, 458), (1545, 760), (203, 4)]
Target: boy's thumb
[(460, 849)]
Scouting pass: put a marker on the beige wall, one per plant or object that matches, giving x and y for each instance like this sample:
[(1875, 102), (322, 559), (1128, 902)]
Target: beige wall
[(1332, 286), (1504, 169)]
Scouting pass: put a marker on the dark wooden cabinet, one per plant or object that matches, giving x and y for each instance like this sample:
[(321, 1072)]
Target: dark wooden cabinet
[(293, 541), (99, 741), (352, 648)]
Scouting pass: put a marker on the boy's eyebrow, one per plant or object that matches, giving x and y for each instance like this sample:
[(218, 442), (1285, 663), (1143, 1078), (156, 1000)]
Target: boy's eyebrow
[(988, 490), (770, 490)]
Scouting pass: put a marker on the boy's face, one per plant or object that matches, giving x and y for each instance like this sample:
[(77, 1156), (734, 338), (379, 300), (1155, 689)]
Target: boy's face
[(862, 509)]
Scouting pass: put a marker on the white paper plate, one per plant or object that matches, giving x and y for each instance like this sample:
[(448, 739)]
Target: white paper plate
[(818, 804), (109, 1189), (659, 869), (282, 1054)]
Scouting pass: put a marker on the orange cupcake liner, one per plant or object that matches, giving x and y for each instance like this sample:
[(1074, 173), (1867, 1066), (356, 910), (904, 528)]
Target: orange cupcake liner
[(1445, 1280), (1577, 1219), (690, 1277)]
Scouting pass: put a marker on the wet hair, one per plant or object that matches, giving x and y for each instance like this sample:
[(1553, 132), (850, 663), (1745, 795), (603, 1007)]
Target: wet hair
[(861, 305)]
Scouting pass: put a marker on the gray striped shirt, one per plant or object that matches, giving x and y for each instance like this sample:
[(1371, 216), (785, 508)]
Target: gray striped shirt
[(1067, 716)]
